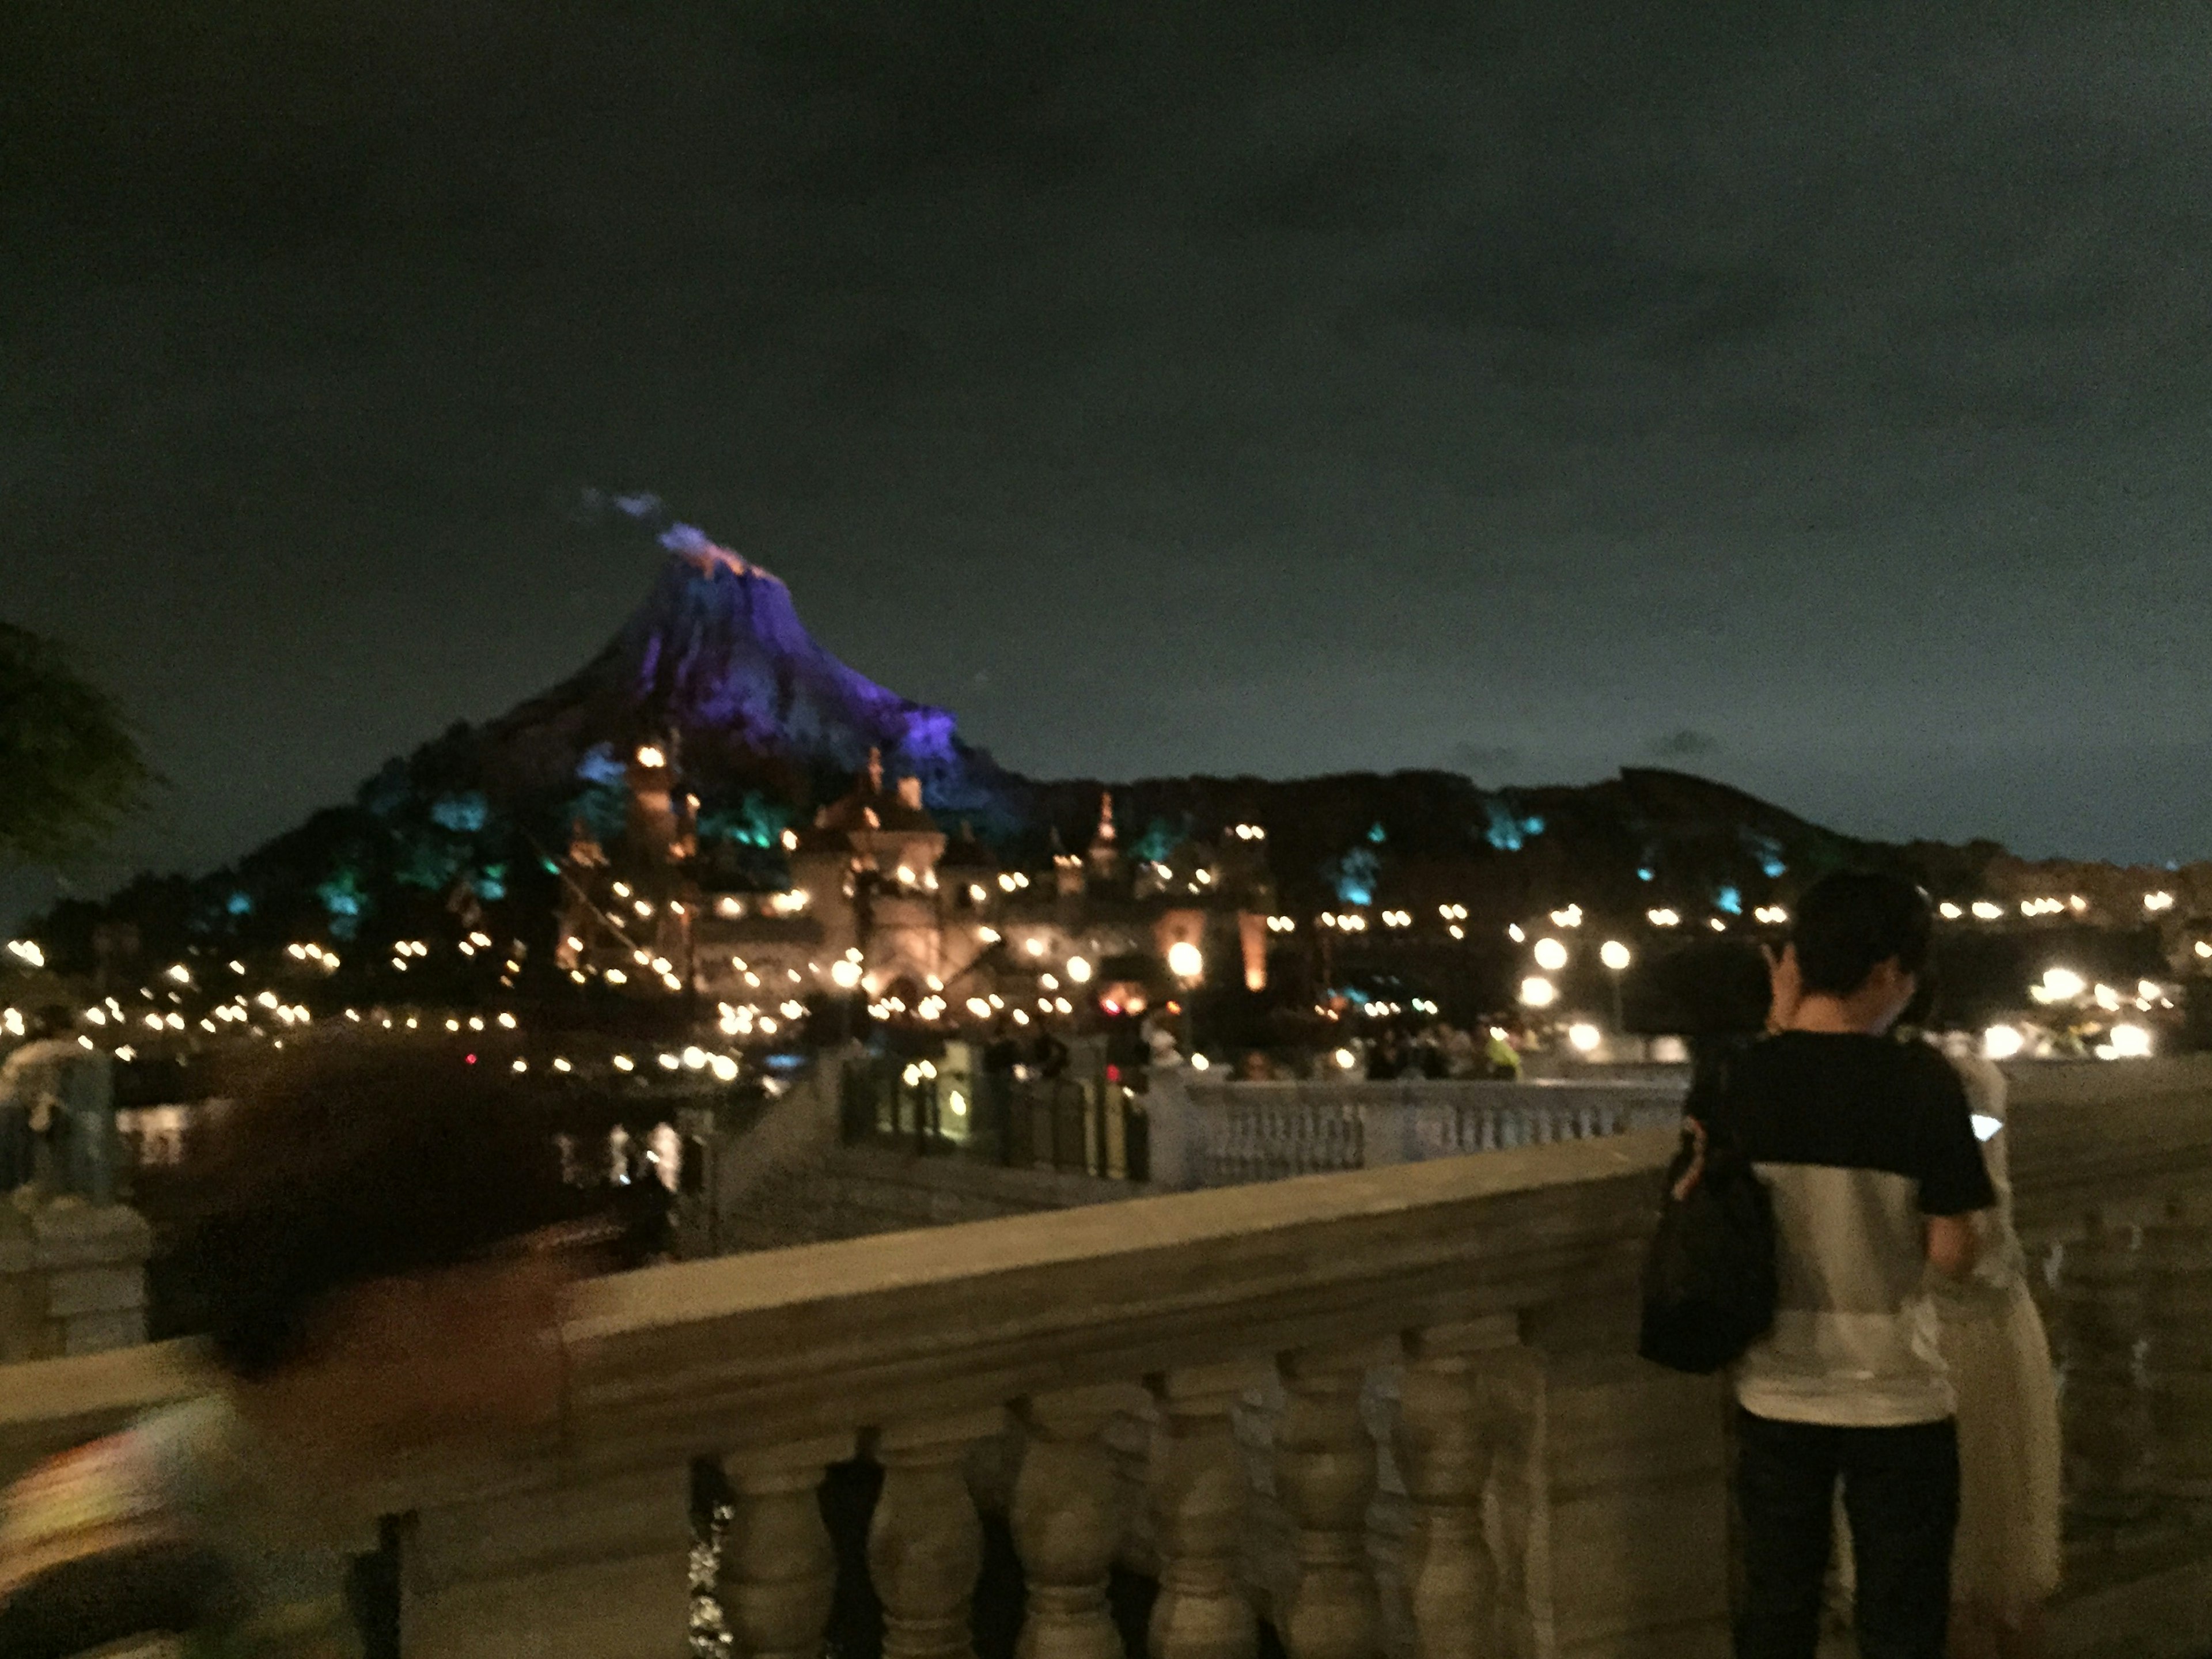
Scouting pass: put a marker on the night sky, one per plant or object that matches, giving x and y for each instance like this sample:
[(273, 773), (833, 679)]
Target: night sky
[(1813, 396)]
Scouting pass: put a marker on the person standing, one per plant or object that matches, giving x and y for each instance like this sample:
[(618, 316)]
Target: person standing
[(2006, 1564), (1867, 1148), (57, 1114)]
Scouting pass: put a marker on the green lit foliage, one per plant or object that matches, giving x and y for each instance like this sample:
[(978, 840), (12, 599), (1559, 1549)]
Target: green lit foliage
[(755, 821), (70, 770)]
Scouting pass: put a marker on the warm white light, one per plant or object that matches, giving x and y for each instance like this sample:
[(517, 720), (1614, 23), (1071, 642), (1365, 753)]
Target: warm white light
[(726, 1069), (2062, 984), (2130, 1041), (844, 973), (1513, 932), (1550, 955), (979, 1008), (624, 1063), (2003, 1041), (1584, 1037), (1078, 970), (1200, 1062), (1663, 918), (1034, 947), (2160, 901), (668, 1062), (616, 976), (1986, 911), (2203, 948), (1949, 911), (1537, 992), (651, 755), (1185, 961), (1345, 1059), (1614, 954)]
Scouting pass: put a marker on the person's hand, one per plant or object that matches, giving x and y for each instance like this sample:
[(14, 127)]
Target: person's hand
[(1785, 989)]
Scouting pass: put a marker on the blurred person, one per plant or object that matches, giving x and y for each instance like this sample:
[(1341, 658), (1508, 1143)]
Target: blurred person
[(1462, 1057), (1868, 1149), (1501, 1060), (1386, 1059), (378, 1241), (2006, 1562), (57, 1113)]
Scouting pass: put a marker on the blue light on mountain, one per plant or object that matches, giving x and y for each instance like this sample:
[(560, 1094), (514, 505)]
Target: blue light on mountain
[(600, 765), (1728, 899), (239, 905), (1647, 873), (1767, 851), (464, 814), (1356, 875)]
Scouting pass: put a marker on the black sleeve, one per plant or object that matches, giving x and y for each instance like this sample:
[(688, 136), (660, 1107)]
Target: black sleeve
[(1953, 1180)]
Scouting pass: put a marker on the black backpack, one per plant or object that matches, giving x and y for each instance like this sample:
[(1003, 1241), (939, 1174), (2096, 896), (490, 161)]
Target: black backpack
[(1708, 1281)]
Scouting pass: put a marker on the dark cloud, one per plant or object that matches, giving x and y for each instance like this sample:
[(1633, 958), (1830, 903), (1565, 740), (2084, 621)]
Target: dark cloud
[(1688, 744), (1284, 388)]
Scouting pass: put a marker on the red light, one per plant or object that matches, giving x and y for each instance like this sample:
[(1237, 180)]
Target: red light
[(472, 1060), (1113, 1074)]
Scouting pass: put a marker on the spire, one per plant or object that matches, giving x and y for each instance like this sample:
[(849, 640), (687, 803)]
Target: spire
[(1105, 856)]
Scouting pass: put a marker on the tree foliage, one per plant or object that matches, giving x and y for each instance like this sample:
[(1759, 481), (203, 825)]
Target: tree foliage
[(70, 771)]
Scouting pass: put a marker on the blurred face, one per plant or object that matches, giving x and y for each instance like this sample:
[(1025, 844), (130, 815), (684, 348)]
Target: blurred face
[(446, 1358)]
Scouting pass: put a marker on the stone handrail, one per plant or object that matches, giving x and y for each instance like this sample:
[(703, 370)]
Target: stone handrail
[(1206, 1134), (1391, 1409), (1496, 1286)]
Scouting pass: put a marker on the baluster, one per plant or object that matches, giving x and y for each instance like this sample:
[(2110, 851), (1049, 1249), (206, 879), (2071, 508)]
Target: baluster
[(925, 1542), (1325, 1477), (2177, 1310), (1065, 1523), (1199, 1496), (2105, 1417), (1444, 1456), (779, 1567)]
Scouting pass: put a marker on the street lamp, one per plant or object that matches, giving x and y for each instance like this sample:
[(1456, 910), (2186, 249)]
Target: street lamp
[(1616, 956)]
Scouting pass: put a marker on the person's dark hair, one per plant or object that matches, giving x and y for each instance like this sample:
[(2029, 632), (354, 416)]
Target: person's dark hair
[(330, 1164), (1852, 921)]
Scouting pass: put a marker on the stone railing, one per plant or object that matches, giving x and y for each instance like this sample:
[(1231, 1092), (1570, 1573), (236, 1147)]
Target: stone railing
[(1204, 1133), (1471, 1312), (1392, 1410)]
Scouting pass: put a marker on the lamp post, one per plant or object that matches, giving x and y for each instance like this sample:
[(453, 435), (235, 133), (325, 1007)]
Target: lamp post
[(1187, 963), (1616, 956)]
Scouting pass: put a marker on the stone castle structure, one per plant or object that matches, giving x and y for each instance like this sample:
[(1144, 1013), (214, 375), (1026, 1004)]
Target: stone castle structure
[(884, 901)]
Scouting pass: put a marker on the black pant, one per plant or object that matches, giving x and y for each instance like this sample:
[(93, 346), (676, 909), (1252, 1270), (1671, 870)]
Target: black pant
[(1901, 1494)]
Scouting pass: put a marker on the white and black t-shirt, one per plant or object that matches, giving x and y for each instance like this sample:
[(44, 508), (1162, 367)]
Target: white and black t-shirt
[(1859, 1139)]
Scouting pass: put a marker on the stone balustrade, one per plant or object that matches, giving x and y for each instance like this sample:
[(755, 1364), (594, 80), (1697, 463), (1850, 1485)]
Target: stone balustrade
[(1204, 1133), (1494, 1292), (1386, 1411)]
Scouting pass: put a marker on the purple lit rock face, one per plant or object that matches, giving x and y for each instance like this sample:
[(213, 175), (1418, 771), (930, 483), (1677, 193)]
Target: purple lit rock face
[(718, 653)]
